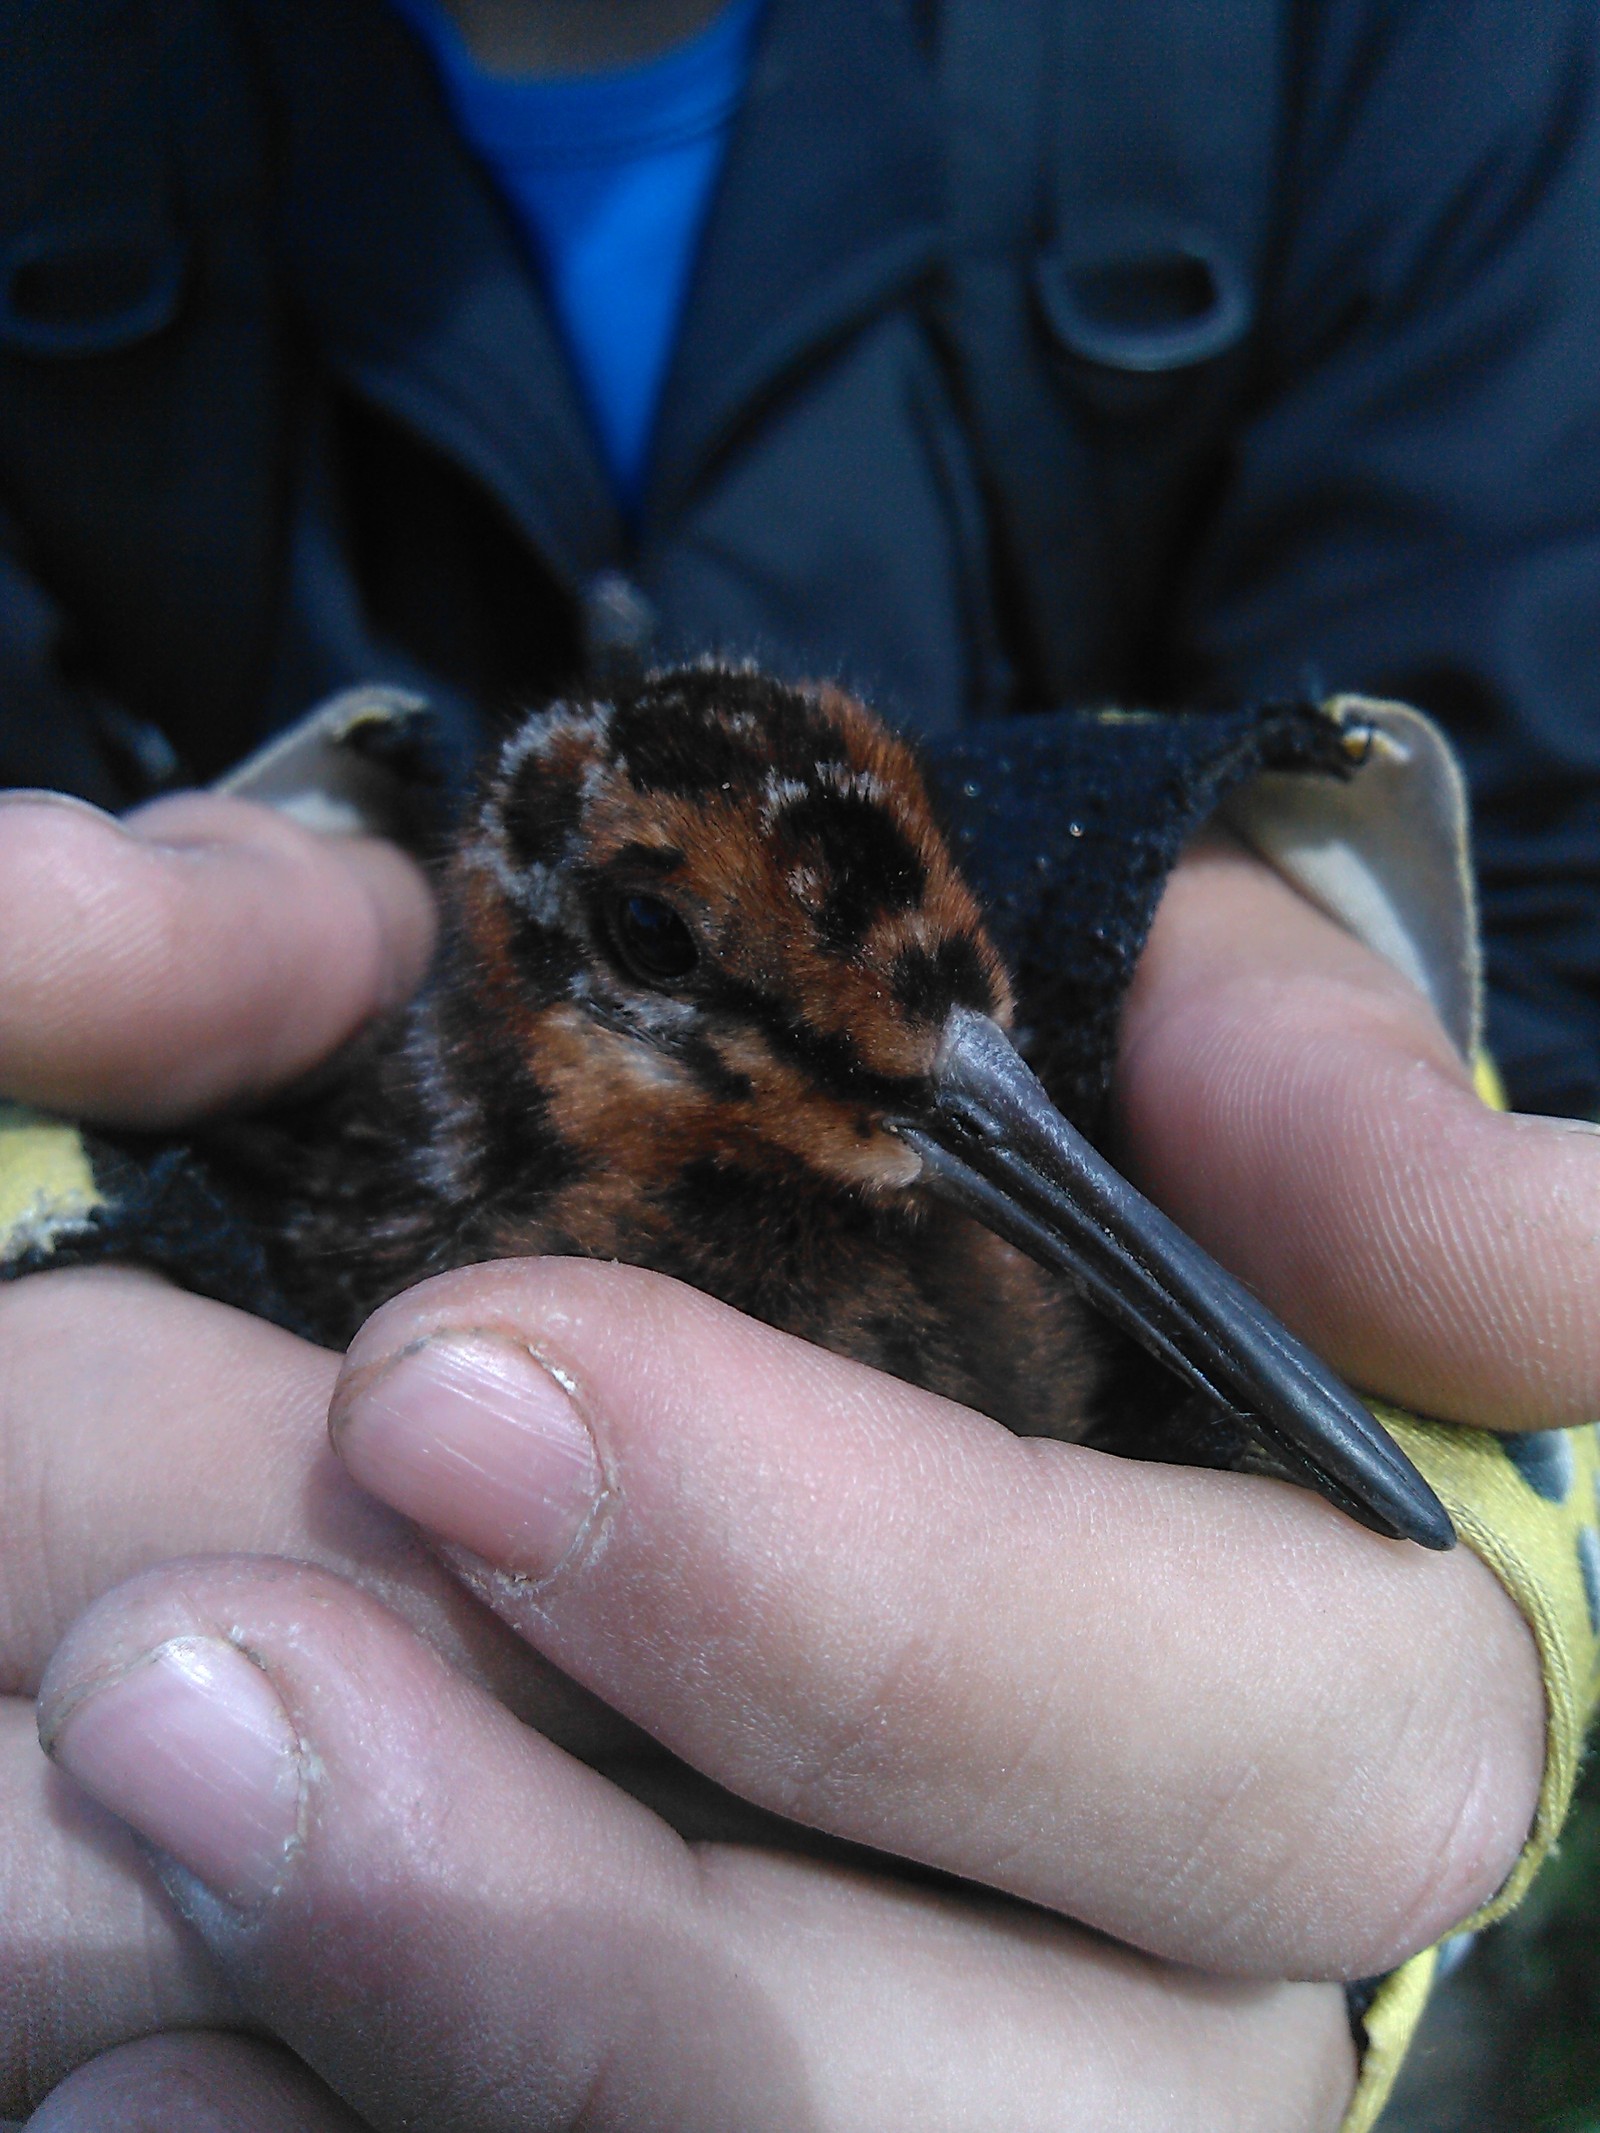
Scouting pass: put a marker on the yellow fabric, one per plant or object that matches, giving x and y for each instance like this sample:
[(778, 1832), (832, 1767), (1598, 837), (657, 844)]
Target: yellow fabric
[(1486, 1080), (1539, 1536), (1391, 2023), (46, 1183), (1530, 1507)]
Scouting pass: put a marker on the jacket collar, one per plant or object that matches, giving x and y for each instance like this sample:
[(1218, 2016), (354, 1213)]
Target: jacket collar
[(414, 276), (830, 202)]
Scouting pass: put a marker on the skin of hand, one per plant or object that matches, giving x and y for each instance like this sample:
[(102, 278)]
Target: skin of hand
[(1201, 1713)]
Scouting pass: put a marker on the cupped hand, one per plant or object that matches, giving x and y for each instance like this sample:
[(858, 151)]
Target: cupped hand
[(838, 1597), (455, 1925)]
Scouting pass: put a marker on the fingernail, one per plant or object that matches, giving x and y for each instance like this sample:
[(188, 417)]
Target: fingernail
[(193, 1749), (473, 1437)]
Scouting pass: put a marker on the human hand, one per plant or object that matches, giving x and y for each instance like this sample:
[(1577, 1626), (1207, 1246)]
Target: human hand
[(1294, 1103), (1499, 1744)]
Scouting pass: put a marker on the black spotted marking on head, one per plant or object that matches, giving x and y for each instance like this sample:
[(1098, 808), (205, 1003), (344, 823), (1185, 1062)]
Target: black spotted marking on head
[(540, 812), (801, 739), (547, 957), (682, 757), (830, 1059), (700, 730), (870, 868), (929, 982)]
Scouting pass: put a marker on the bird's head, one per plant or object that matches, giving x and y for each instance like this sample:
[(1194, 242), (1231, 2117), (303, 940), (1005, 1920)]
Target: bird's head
[(718, 910), (714, 920)]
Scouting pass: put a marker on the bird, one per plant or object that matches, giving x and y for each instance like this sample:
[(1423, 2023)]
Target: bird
[(712, 997)]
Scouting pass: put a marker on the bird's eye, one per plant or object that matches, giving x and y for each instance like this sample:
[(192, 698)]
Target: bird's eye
[(652, 942)]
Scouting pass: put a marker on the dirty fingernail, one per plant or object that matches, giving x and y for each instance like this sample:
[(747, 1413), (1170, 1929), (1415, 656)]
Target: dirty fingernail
[(192, 1747), (473, 1437)]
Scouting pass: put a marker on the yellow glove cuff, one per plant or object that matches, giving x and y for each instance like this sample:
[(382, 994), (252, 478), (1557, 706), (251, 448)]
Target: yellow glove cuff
[(1530, 1507)]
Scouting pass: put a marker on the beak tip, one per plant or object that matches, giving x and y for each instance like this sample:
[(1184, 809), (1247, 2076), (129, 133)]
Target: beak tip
[(1432, 1528)]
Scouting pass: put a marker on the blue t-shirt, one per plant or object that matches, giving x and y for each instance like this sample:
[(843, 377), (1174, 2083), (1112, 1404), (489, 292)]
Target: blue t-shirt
[(610, 176)]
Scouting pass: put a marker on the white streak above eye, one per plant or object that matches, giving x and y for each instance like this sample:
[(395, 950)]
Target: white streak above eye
[(778, 793), (866, 785)]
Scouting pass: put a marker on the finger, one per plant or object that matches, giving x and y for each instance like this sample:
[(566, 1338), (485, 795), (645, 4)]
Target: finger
[(91, 1952), (1203, 1713), (194, 2083), (1295, 1104), (204, 951), (458, 1926), (139, 1423)]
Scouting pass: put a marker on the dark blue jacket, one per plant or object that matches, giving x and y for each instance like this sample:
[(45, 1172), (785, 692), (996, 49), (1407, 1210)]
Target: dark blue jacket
[(281, 406)]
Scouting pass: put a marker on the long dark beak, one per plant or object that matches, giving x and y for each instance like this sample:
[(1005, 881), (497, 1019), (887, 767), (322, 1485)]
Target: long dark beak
[(994, 1143)]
